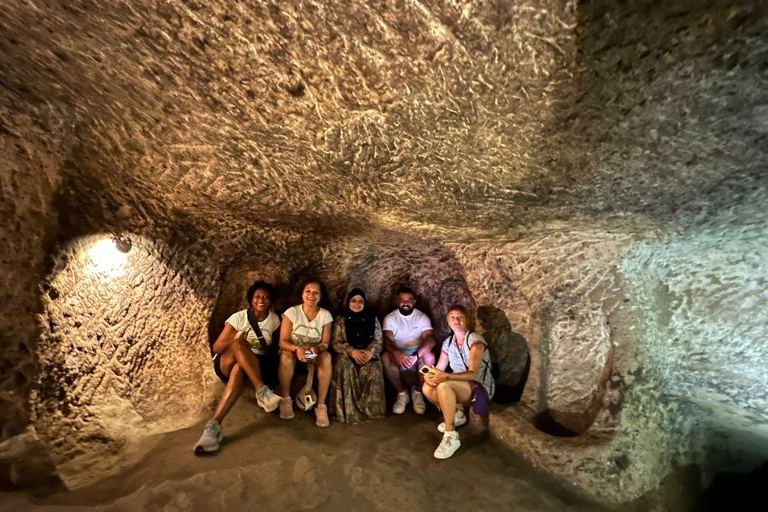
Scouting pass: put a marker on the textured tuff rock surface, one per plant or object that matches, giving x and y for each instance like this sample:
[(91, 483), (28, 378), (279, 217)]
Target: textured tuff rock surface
[(590, 176), (126, 342)]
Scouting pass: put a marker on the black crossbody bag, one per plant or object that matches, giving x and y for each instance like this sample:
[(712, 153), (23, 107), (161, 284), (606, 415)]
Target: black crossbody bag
[(270, 357), (255, 326)]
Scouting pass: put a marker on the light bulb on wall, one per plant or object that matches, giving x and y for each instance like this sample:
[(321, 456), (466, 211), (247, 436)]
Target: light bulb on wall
[(108, 256)]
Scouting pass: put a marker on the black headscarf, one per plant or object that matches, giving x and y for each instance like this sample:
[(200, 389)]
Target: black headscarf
[(360, 327)]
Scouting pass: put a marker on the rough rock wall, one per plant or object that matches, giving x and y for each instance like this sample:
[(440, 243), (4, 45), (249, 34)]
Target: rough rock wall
[(588, 414), (671, 105), (30, 156), (125, 355), (649, 346), (702, 297), (508, 113), (558, 292)]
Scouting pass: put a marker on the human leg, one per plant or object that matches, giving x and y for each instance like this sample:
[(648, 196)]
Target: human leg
[(237, 352), (230, 373), (427, 359), (324, 372), (232, 392), (248, 362), (285, 373), (340, 387), (371, 399), (419, 407), (324, 369), (431, 393), (392, 370), (449, 393)]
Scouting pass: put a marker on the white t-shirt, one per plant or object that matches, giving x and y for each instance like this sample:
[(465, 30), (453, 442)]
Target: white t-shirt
[(240, 322), (307, 334), (406, 330)]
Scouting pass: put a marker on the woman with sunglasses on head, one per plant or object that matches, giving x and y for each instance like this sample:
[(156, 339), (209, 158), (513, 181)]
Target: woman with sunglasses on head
[(357, 388), (239, 352), (453, 393), (305, 335)]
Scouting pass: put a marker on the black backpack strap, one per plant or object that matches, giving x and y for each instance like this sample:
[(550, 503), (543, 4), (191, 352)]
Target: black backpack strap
[(255, 326)]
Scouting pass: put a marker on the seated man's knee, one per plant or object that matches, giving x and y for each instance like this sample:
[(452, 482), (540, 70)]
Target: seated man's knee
[(427, 359), (388, 359)]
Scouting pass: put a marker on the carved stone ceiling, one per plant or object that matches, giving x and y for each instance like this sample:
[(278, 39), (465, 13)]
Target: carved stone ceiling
[(448, 118)]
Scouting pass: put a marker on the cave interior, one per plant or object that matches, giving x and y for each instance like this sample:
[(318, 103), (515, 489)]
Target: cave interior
[(590, 178)]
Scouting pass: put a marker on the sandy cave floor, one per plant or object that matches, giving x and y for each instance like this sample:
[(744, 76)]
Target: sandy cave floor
[(266, 463)]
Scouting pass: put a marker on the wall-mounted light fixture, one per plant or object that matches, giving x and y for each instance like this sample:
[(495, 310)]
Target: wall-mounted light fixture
[(122, 243)]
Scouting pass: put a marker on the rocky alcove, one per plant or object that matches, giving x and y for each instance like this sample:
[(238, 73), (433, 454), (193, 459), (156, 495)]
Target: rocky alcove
[(590, 178)]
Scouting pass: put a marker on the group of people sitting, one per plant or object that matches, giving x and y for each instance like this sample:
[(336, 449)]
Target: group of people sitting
[(353, 385)]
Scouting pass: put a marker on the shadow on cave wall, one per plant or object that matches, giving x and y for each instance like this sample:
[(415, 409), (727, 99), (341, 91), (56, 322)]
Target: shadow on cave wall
[(509, 352)]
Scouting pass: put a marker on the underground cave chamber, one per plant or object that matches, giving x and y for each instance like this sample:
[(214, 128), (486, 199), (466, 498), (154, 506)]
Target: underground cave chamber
[(589, 178)]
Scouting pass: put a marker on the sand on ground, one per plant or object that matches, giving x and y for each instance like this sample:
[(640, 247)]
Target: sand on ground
[(266, 464)]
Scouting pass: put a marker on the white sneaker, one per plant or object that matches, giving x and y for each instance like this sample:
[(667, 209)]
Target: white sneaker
[(458, 420), (267, 400), (212, 436), (402, 401), (448, 445), (418, 401)]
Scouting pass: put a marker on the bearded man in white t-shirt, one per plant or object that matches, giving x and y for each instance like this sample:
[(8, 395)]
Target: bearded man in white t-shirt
[(408, 344)]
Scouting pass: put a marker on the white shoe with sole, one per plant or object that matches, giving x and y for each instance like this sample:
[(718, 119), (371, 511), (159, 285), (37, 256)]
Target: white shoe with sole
[(448, 445), (267, 400), (401, 402), (212, 436), (418, 401), (459, 419)]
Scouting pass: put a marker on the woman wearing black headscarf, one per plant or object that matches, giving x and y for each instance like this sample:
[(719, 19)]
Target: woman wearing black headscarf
[(357, 388)]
